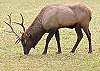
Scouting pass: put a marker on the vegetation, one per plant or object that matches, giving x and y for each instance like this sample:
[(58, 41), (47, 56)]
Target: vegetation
[(11, 55)]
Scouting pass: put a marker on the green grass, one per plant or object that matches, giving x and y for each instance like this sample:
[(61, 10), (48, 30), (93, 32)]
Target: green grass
[(11, 55)]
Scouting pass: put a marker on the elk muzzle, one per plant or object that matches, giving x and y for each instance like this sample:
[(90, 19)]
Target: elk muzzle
[(26, 50)]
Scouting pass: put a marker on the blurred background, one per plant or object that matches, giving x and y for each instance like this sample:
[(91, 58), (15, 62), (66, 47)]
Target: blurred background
[(11, 55)]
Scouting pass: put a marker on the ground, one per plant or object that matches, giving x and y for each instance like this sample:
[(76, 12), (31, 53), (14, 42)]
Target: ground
[(12, 57)]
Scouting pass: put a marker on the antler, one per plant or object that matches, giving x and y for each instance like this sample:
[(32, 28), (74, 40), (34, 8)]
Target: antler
[(21, 22), (9, 24)]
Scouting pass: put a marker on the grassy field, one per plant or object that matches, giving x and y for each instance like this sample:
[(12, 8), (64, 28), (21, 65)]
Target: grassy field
[(11, 55)]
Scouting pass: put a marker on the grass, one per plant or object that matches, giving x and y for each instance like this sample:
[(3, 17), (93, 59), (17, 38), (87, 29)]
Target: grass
[(11, 55)]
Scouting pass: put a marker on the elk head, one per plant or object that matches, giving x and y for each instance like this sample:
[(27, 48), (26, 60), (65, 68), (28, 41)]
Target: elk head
[(25, 38)]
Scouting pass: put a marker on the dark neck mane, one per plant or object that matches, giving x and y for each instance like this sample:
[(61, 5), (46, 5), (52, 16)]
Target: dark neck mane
[(36, 31)]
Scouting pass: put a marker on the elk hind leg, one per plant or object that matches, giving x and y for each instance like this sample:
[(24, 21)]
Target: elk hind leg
[(79, 37), (88, 34)]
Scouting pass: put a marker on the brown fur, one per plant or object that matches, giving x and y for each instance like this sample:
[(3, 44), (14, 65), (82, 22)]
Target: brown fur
[(53, 17)]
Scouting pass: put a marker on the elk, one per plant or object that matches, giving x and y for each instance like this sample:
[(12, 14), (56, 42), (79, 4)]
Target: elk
[(50, 19)]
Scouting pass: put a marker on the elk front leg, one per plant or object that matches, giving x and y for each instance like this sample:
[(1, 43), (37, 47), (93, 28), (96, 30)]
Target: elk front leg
[(50, 35), (58, 41)]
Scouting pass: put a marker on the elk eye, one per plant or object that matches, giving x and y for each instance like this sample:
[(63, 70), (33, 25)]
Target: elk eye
[(23, 42)]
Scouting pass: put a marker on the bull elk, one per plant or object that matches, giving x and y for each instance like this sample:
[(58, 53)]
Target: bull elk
[(50, 20)]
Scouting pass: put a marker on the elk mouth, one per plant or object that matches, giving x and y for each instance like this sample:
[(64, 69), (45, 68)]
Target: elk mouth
[(26, 51)]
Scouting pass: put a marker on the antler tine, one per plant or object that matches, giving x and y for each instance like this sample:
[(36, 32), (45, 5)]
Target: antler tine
[(9, 24), (9, 18), (22, 18), (17, 41), (21, 22)]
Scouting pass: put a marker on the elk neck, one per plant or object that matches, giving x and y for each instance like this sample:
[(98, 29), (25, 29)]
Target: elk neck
[(36, 31)]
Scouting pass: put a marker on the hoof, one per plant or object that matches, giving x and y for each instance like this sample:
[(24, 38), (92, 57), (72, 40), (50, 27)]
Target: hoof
[(58, 52), (72, 52), (90, 52), (44, 53)]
